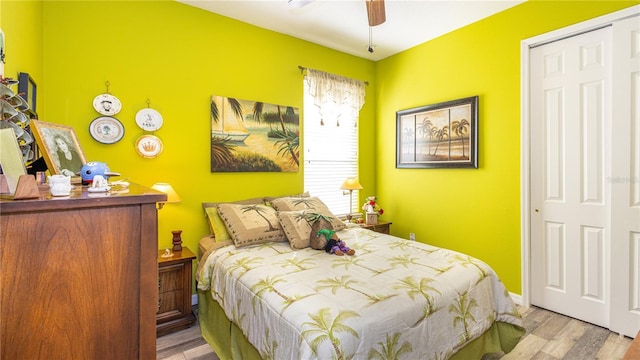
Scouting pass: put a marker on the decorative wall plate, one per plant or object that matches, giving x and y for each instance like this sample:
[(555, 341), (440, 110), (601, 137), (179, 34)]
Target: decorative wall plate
[(107, 104), (149, 146), (106, 129), (149, 119)]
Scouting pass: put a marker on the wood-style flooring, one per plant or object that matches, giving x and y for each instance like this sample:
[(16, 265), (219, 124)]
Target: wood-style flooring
[(549, 336)]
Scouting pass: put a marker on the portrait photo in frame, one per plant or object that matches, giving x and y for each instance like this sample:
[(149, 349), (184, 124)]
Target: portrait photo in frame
[(59, 147), (442, 135)]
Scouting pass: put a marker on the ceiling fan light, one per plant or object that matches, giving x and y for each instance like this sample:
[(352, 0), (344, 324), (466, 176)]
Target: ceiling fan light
[(375, 12)]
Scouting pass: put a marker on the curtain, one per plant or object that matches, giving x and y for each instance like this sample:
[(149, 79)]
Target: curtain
[(331, 150), (337, 97)]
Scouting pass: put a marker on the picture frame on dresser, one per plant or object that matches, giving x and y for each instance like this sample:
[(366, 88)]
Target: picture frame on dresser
[(442, 135), (59, 147)]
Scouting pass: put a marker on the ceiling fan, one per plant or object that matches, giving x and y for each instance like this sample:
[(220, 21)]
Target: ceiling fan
[(375, 9), (375, 12)]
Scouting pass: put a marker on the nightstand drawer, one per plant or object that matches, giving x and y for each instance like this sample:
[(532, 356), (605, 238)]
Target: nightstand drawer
[(381, 227), (170, 300), (174, 292), (170, 278)]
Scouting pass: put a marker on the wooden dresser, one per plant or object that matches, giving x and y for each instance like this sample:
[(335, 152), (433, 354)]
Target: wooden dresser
[(79, 275)]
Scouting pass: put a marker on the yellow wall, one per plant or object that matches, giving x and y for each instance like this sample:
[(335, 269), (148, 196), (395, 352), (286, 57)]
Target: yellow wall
[(473, 211), (21, 22), (177, 56)]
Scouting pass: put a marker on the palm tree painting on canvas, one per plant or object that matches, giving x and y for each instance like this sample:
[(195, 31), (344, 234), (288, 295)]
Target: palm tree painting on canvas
[(253, 136), (439, 135)]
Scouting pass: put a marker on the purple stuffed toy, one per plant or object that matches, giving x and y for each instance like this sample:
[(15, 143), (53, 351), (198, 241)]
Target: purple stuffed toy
[(334, 244)]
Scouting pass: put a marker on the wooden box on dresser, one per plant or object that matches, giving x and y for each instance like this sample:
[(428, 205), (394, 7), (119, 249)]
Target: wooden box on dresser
[(79, 275)]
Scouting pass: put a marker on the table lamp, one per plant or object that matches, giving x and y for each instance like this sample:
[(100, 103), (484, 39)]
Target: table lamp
[(172, 197), (351, 184)]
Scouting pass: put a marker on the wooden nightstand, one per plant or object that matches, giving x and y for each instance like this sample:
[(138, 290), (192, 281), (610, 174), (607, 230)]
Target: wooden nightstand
[(381, 227), (174, 287)]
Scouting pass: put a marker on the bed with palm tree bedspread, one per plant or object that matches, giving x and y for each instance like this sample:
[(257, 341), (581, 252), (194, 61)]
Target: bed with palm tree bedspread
[(393, 299)]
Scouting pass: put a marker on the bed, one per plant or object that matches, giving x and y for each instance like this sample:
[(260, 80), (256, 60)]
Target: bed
[(274, 297)]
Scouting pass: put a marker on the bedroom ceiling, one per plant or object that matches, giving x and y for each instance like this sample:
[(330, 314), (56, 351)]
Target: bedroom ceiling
[(342, 24)]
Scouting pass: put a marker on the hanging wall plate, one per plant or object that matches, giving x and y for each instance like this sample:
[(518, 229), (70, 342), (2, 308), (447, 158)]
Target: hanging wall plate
[(106, 129), (107, 104), (149, 146), (149, 119)]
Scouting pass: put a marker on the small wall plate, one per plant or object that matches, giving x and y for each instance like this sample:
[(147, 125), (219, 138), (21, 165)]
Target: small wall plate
[(107, 104), (106, 129), (149, 146), (149, 119)]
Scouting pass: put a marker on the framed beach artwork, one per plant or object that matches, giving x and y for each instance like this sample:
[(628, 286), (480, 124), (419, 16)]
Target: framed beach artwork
[(442, 135), (253, 136), (59, 147)]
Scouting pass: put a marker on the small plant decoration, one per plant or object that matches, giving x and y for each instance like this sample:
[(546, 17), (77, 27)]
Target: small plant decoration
[(371, 206)]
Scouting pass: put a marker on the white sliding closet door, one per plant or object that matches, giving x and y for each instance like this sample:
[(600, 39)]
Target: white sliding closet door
[(570, 140), (625, 179), (584, 175)]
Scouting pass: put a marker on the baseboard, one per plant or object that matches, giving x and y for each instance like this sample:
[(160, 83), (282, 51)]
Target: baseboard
[(517, 299)]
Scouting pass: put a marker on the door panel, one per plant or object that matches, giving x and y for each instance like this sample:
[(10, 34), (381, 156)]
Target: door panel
[(625, 179), (570, 115)]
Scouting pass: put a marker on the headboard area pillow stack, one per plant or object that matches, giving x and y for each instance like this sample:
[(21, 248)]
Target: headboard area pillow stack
[(216, 225), (251, 224), (309, 203), (259, 220), (295, 227)]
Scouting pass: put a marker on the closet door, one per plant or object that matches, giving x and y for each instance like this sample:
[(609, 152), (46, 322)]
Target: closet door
[(570, 144), (625, 179)]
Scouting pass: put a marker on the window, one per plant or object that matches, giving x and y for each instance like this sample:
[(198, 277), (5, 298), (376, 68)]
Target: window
[(330, 134)]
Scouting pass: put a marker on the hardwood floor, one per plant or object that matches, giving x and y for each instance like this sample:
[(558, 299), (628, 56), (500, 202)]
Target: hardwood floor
[(549, 336)]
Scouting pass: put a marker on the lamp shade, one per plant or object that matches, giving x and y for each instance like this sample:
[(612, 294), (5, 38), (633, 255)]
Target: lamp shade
[(351, 184), (172, 195)]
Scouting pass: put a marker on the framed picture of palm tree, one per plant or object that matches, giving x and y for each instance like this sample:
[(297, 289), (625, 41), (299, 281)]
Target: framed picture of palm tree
[(253, 136), (443, 135)]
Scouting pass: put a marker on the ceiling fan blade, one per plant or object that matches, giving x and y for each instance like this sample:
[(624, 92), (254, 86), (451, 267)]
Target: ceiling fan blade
[(375, 12)]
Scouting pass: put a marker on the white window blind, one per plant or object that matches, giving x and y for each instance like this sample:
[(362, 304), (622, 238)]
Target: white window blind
[(330, 138)]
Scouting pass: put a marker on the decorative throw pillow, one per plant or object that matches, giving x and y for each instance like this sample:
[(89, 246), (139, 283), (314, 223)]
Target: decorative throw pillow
[(295, 227), (251, 224), (309, 203), (268, 199), (315, 241), (216, 226)]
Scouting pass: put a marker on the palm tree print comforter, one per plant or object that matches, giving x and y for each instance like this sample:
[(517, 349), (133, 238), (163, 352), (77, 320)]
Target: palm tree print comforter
[(394, 299)]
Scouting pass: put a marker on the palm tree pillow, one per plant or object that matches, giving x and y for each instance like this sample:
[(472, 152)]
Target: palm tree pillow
[(311, 203), (250, 224)]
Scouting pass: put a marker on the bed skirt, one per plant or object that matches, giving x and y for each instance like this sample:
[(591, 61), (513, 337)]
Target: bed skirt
[(228, 342)]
